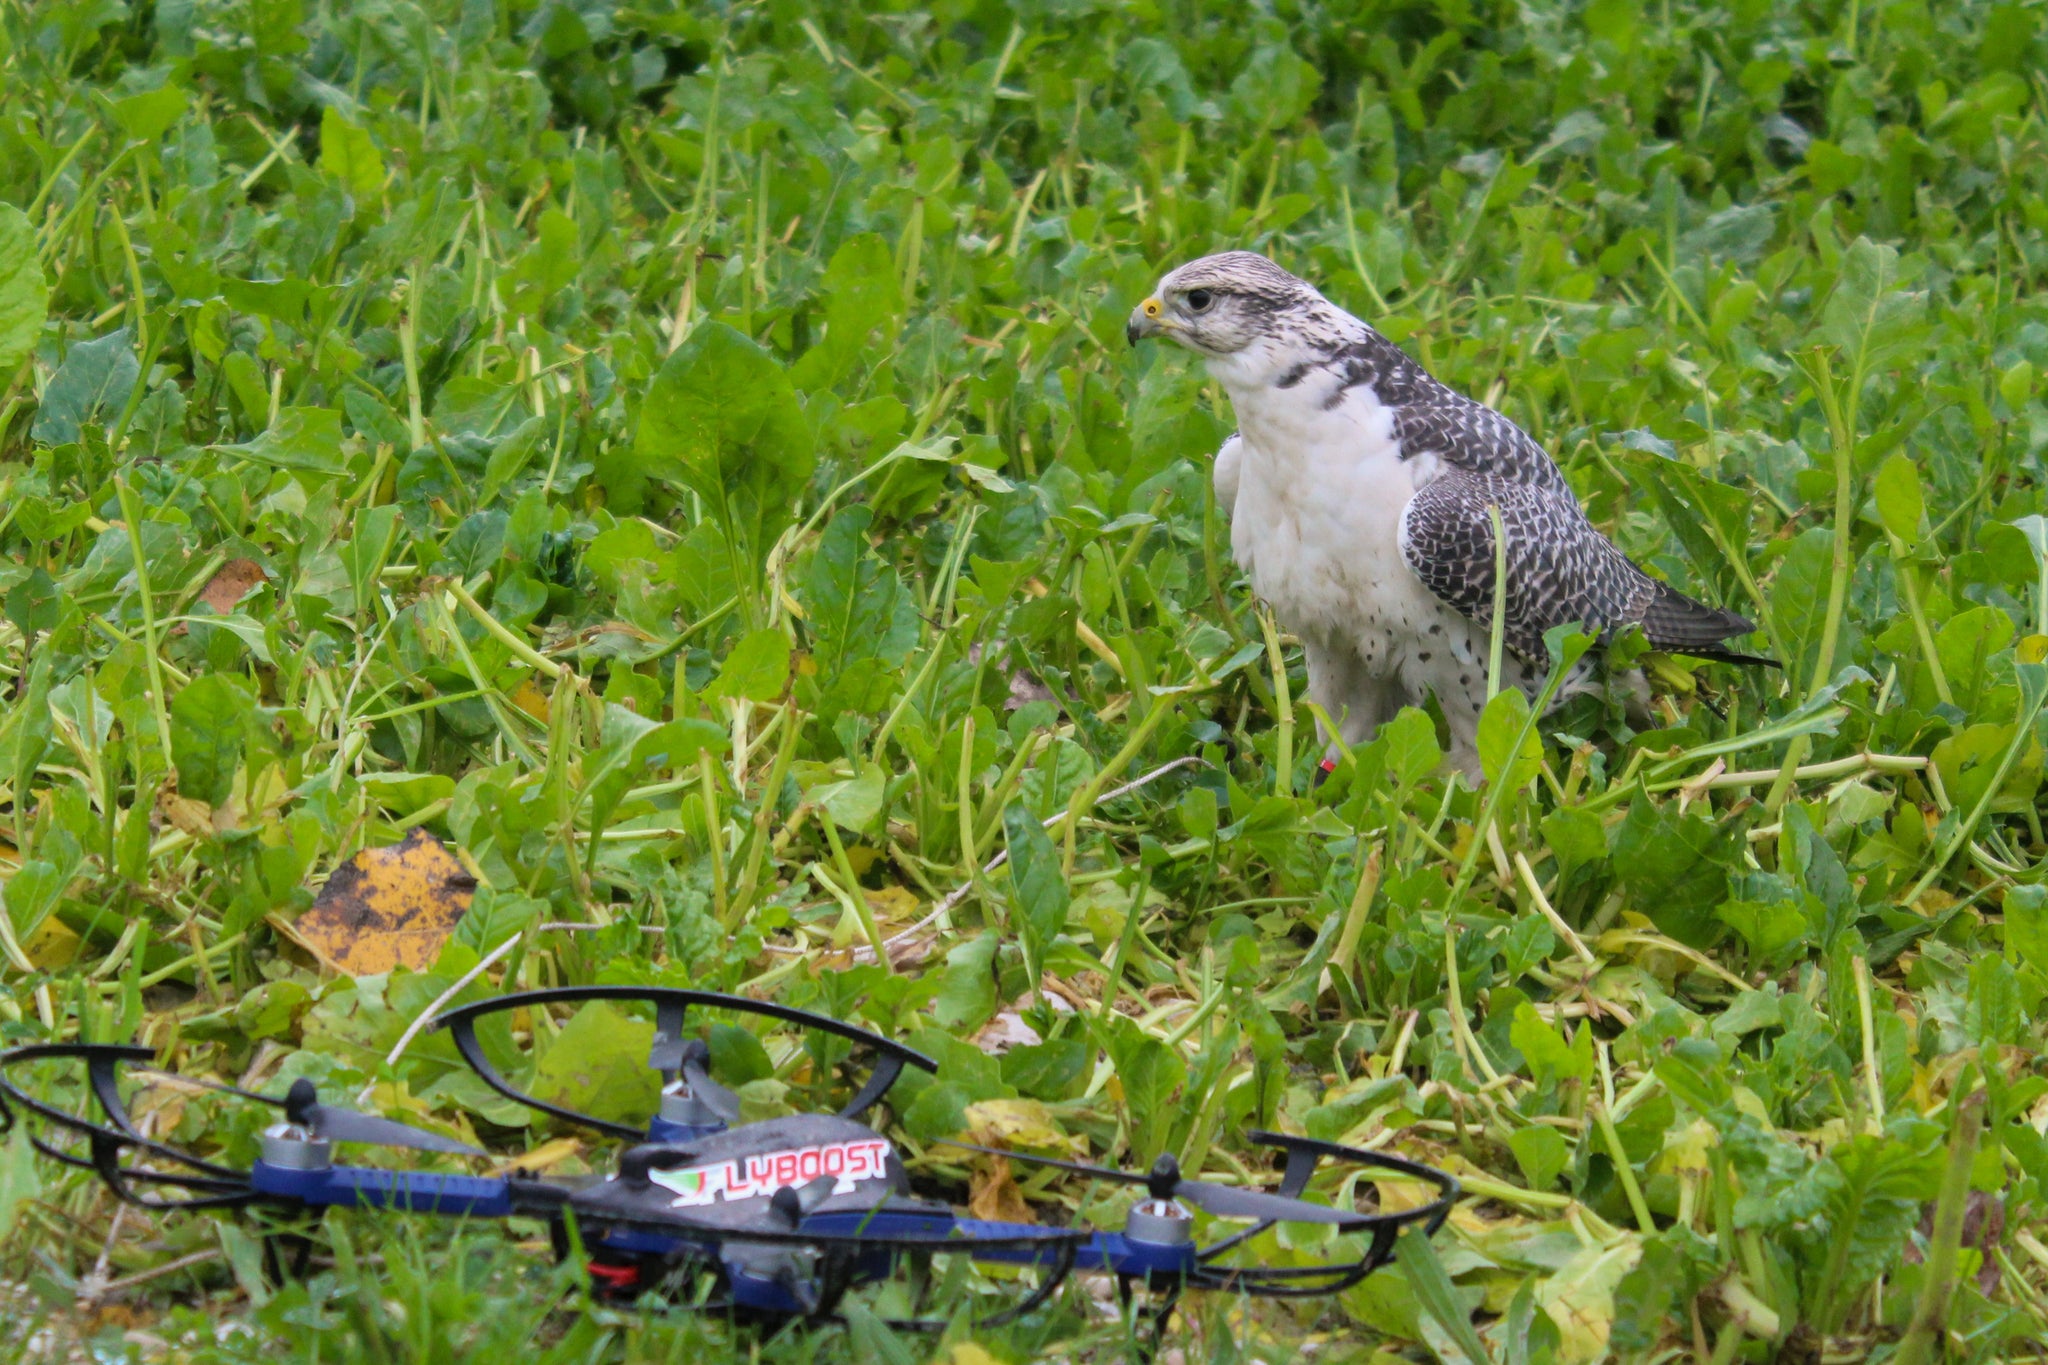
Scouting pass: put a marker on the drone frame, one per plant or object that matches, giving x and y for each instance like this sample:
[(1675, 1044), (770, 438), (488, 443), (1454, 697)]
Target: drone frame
[(671, 1005), (846, 1240)]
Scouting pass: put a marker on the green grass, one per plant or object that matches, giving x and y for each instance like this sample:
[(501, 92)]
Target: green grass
[(671, 435)]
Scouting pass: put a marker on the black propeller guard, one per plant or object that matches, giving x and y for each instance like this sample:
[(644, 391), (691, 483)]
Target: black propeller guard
[(213, 1185), (671, 1053)]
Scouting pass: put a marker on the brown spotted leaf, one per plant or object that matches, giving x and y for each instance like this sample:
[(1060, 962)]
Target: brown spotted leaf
[(389, 907), (234, 581)]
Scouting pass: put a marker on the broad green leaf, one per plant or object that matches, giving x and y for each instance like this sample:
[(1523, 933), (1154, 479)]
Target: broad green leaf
[(757, 669), (1504, 722), (94, 381), (861, 293), (348, 156), (1412, 750), (368, 550), (1799, 602), (1675, 868), (35, 604), (1038, 891), (634, 750), (967, 986), (1899, 503), (2026, 925), (1149, 1072), (1771, 928), (721, 417), (1549, 1056), (1870, 315), (597, 1065), (300, 438), (863, 624), (548, 266), (148, 116), (20, 1177), (1576, 837), (2016, 385), (210, 720), (853, 803), (24, 297), (1541, 1152)]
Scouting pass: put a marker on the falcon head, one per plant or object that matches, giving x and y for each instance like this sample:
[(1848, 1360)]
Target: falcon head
[(1221, 304)]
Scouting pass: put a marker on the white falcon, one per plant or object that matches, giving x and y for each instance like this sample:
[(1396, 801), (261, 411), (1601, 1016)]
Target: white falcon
[(1358, 490)]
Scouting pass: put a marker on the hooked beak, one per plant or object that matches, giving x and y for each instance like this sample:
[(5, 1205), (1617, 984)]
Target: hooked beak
[(1148, 319)]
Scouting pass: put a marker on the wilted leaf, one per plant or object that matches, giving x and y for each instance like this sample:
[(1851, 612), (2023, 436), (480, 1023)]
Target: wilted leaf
[(390, 907), (232, 582)]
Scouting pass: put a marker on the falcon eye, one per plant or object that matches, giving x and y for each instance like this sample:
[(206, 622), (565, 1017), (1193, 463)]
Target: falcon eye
[(1199, 300)]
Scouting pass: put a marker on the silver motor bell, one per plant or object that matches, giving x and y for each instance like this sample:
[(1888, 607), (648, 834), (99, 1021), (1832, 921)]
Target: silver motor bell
[(1160, 1222), (292, 1148), (680, 1105)]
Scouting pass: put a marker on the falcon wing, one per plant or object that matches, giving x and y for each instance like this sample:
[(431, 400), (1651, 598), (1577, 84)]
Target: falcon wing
[(1560, 568), (1229, 461)]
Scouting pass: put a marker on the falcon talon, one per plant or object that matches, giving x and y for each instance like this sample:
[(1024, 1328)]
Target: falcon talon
[(772, 1220), (1362, 496)]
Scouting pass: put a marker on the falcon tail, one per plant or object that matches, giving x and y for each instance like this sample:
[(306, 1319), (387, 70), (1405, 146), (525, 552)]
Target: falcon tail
[(1680, 625)]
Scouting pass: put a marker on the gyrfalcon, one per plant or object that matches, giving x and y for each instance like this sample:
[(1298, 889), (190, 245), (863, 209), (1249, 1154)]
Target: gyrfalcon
[(1358, 490)]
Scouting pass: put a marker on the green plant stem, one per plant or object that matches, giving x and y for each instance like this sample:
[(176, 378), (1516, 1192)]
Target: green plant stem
[(1084, 799), (714, 832), (969, 864), (1930, 1313), (1113, 984), (1909, 585), (1623, 1169), (1360, 911), (131, 514), (2034, 686), (1283, 708), (851, 884)]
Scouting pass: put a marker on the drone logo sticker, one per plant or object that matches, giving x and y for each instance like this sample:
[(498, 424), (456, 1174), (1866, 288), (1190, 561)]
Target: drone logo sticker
[(757, 1177)]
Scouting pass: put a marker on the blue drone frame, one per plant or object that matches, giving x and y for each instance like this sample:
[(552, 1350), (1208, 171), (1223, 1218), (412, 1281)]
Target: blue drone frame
[(785, 1214)]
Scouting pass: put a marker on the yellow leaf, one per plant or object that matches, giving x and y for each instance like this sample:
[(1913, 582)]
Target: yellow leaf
[(1024, 1124), (530, 699), (547, 1155), (891, 904), (388, 907), (52, 945), (1580, 1299), (967, 1353)]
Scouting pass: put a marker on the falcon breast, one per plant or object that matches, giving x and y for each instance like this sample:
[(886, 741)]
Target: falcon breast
[(1361, 495)]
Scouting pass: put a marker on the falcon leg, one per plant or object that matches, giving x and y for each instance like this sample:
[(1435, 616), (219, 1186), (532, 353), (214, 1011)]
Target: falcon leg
[(1339, 682)]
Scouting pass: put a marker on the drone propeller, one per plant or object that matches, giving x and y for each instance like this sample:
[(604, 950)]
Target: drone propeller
[(695, 1063), (1164, 1181), (792, 1202), (336, 1124)]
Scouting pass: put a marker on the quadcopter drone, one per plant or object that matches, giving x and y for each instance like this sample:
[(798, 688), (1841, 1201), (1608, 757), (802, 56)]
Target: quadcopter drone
[(775, 1219)]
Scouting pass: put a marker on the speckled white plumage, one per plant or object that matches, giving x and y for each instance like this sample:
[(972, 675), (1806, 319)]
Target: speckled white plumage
[(1316, 496), (1364, 495)]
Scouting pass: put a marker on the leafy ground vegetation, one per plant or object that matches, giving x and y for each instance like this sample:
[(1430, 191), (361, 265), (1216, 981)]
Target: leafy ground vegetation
[(685, 458)]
